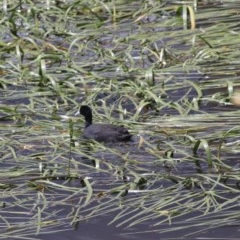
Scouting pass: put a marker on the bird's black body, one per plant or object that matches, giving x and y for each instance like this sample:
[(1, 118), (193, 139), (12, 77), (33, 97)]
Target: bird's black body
[(102, 132)]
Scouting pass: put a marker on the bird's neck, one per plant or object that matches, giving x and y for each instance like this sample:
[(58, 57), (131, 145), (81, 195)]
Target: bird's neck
[(88, 122)]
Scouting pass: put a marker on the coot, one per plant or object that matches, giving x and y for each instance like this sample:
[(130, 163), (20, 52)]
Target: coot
[(102, 132)]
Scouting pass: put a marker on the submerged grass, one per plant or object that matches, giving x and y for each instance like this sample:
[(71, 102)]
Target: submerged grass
[(168, 71)]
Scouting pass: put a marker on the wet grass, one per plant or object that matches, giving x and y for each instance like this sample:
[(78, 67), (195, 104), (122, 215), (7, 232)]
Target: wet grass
[(167, 71)]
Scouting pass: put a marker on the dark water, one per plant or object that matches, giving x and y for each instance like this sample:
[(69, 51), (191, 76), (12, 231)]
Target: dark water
[(98, 229)]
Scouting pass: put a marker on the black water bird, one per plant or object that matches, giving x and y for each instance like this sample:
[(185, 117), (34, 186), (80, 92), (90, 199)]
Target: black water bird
[(102, 132)]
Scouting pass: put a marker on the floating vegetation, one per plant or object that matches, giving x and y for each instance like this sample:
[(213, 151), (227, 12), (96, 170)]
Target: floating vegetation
[(168, 71)]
